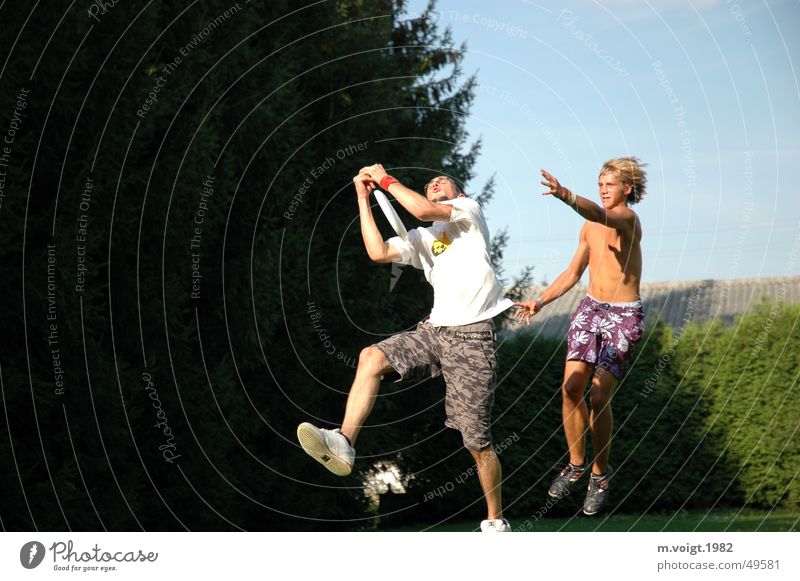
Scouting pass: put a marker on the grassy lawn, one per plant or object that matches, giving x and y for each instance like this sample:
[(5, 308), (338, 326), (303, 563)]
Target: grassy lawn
[(700, 521)]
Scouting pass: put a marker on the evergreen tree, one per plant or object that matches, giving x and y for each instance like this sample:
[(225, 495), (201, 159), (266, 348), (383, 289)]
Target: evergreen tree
[(181, 187)]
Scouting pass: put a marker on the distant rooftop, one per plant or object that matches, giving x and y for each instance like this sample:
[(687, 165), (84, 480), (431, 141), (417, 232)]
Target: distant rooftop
[(672, 302)]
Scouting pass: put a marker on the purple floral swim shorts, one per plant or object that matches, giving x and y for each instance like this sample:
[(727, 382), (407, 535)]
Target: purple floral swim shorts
[(604, 334)]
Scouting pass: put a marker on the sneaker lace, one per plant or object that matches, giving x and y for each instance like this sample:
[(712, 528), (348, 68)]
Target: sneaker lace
[(572, 472), (597, 484)]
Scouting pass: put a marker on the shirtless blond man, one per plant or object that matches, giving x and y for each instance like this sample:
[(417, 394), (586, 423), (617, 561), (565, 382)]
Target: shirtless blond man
[(607, 323)]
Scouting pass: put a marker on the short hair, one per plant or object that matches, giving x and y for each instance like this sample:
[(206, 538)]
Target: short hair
[(631, 171)]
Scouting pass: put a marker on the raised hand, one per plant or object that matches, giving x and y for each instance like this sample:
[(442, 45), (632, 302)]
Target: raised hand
[(376, 172), (364, 185), (556, 189)]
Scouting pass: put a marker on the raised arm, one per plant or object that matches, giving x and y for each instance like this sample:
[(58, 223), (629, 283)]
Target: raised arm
[(622, 218), (419, 206), (565, 281), (377, 249)]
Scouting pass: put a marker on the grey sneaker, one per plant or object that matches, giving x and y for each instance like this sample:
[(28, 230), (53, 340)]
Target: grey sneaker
[(328, 447), (498, 525), (568, 476), (597, 493)]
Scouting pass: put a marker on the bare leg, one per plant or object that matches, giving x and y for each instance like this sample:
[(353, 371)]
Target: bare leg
[(601, 420), (372, 364), (573, 409), (491, 476)]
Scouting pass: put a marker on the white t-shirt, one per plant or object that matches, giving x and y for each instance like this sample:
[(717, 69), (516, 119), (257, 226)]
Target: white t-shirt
[(455, 258)]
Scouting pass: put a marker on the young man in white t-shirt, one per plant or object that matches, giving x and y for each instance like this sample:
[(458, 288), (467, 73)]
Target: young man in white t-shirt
[(457, 340)]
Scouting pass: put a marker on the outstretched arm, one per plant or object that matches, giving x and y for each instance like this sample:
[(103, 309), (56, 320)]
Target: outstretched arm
[(419, 206), (377, 249), (618, 218), (565, 281)]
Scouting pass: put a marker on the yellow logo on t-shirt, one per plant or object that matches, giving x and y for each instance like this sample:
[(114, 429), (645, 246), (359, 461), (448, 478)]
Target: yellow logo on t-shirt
[(440, 244)]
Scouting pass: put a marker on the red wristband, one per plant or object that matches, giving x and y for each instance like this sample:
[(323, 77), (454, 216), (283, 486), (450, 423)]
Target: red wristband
[(387, 181)]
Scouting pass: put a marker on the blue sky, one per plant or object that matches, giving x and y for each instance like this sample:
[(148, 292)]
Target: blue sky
[(707, 93)]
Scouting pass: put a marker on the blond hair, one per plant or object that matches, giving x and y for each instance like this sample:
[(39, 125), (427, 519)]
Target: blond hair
[(630, 171)]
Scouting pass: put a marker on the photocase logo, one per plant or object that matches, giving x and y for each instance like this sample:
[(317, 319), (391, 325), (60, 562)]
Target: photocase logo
[(31, 554)]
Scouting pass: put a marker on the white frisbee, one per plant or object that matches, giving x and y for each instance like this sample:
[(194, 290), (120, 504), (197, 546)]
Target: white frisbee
[(391, 215)]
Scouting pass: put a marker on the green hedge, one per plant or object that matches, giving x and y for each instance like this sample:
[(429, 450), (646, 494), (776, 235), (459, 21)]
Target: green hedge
[(706, 417)]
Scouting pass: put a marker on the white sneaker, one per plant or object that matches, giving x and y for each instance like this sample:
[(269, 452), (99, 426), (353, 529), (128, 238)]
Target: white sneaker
[(328, 447), (498, 525)]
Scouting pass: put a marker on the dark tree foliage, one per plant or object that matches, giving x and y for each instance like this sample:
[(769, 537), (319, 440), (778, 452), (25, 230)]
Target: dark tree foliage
[(185, 278)]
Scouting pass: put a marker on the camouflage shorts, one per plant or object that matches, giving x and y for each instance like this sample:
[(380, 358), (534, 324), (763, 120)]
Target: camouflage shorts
[(465, 356)]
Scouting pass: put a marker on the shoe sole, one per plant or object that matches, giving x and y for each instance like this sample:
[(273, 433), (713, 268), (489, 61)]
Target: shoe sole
[(319, 451), (597, 511)]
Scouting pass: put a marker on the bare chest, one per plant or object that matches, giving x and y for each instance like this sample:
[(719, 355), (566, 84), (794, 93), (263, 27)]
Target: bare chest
[(601, 238)]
